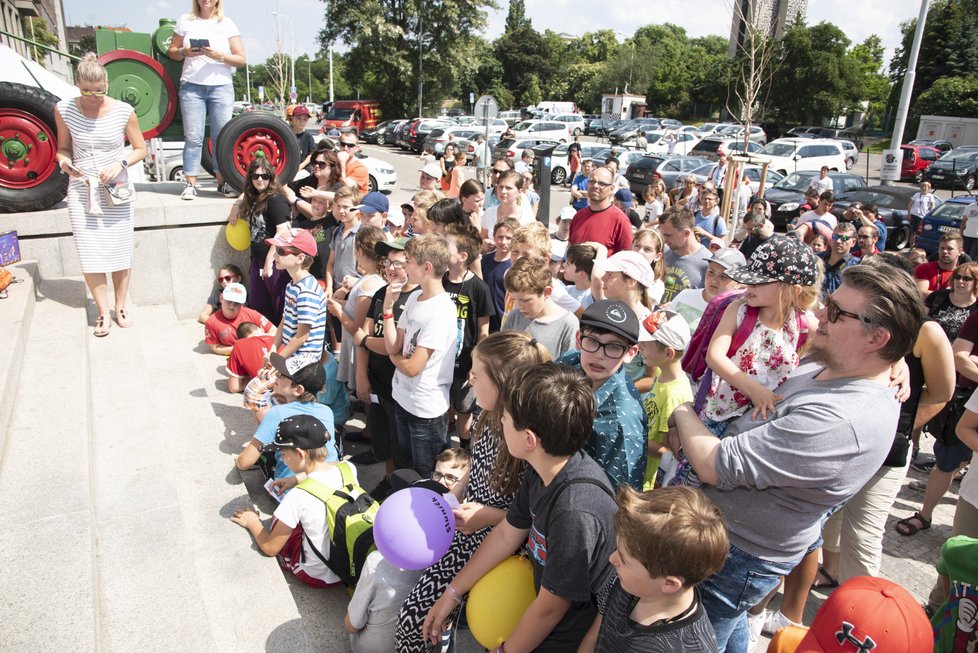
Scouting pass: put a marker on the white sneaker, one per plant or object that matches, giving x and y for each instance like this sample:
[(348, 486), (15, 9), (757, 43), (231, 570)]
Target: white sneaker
[(775, 621), (755, 622), (189, 193)]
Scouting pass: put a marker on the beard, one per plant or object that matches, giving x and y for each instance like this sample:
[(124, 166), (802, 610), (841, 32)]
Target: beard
[(821, 355)]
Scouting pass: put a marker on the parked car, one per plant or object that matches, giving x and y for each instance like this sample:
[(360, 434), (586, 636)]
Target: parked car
[(375, 134), (383, 177), (172, 169), (548, 129), (625, 157), (643, 170), (574, 121), (511, 117), (709, 147), (839, 135), (752, 172), (467, 145), (389, 137), (559, 166), (438, 138), (685, 141), (944, 218), (941, 145), (793, 154), (787, 195), (711, 128), (757, 134), (892, 202), (670, 123), (737, 147), (629, 131), (916, 159), (852, 153), (415, 135), (512, 148), (802, 129), (957, 168)]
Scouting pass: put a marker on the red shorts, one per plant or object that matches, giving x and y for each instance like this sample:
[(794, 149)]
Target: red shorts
[(290, 557)]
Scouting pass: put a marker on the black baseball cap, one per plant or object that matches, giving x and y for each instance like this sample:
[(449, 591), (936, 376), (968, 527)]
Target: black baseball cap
[(612, 316), (299, 432), (301, 369)]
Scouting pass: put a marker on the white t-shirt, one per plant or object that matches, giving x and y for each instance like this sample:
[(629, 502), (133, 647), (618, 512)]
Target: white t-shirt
[(562, 297), (430, 323), (377, 601), (690, 304), (821, 185), (299, 506), (971, 227), (969, 484), (924, 204), (204, 70), (489, 216), (812, 216)]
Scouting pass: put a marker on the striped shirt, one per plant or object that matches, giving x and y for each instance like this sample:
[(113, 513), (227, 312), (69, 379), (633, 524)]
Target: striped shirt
[(305, 303)]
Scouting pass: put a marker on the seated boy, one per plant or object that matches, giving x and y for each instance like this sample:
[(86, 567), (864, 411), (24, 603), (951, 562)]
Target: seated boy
[(220, 330), (452, 469), (247, 355), (668, 543), (662, 342), (578, 264), (495, 264), (530, 284), (606, 341), (300, 520), (562, 511)]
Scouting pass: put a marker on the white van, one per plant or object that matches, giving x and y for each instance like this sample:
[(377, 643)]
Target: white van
[(794, 154)]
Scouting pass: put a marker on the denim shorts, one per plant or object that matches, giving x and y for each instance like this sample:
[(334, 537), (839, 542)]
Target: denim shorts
[(948, 459)]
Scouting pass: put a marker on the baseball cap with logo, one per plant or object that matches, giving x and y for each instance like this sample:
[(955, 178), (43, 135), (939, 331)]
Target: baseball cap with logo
[(666, 327), (865, 615), (778, 258), (235, 292), (299, 110), (298, 432), (612, 316), (300, 239)]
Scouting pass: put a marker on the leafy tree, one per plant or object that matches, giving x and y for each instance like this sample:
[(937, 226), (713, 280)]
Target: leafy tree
[(85, 44), (950, 96), (710, 70), (516, 17), (875, 86), (594, 47), (533, 95), (36, 29), (523, 53)]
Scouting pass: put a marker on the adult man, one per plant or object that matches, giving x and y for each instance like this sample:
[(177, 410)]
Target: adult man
[(352, 171), (838, 257), (866, 238), (600, 221), (497, 168), (430, 177), (936, 275), (869, 215), (718, 174), (823, 182), (641, 143), (707, 223), (525, 164), (481, 157), (686, 259), (578, 189), (774, 497)]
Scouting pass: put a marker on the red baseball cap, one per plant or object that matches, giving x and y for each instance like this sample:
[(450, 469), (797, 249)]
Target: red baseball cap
[(865, 615), (300, 239)]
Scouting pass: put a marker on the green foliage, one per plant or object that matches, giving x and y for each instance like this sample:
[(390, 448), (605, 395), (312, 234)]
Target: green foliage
[(85, 44), (36, 29), (524, 56), (516, 18), (533, 95), (950, 96)]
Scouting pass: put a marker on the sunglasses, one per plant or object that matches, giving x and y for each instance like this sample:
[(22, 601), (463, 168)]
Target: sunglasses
[(282, 251), (841, 239), (320, 164), (962, 277), (612, 350), (226, 277), (497, 172), (342, 144), (833, 312), (95, 93), (261, 175)]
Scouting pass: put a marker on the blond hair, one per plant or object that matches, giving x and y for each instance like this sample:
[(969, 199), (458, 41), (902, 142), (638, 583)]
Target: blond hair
[(218, 10), (430, 248), (535, 235), (90, 70)]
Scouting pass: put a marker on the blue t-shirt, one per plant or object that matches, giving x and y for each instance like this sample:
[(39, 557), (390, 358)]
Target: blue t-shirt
[(493, 272), (619, 440), (305, 303), (266, 430), (334, 393), (580, 183), (708, 222)]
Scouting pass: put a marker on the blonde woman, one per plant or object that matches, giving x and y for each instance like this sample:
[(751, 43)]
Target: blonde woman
[(209, 45), (92, 133)]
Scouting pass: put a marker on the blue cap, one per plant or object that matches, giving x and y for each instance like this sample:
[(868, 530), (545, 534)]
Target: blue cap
[(625, 197), (374, 203)]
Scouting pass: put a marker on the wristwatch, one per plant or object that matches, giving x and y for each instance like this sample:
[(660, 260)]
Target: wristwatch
[(125, 164)]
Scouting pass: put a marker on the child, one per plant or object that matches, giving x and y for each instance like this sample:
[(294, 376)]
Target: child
[(229, 273), (247, 355), (300, 520), (669, 541), (456, 176), (578, 265), (422, 348), (819, 244), (495, 264), (648, 242), (382, 588), (530, 285), (691, 303), (303, 327), (372, 210), (662, 342), (533, 240), (298, 116), (656, 201), (606, 341), (343, 262), (220, 330), (529, 193), (494, 479), (564, 506), (474, 310), (320, 223), (923, 203)]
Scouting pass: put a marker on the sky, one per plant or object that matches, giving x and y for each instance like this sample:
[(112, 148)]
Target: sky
[(858, 19)]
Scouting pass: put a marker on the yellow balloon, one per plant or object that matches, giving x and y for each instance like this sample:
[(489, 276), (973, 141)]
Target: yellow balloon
[(238, 235), (497, 602)]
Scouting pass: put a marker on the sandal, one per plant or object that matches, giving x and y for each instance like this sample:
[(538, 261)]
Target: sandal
[(909, 526), (831, 584), (122, 318), (102, 327)]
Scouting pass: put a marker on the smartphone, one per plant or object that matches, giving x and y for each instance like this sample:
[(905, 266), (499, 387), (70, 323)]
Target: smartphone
[(73, 169), (197, 44)]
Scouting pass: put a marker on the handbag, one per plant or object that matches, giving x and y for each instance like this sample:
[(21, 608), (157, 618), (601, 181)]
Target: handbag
[(944, 425), (120, 193)]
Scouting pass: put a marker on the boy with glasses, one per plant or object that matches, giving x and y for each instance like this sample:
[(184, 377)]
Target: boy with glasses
[(608, 338)]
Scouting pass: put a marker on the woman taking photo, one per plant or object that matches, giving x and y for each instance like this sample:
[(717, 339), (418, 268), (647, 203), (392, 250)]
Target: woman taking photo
[(92, 134), (209, 44)]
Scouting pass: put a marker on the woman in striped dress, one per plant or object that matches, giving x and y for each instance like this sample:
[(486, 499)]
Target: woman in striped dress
[(92, 133)]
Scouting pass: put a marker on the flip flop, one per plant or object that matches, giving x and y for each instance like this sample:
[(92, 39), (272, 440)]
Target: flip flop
[(832, 584), (122, 318), (102, 327), (907, 527)]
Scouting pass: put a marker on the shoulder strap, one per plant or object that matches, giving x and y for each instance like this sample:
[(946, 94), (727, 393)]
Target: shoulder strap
[(316, 488), (744, 329), (802, 321), (346, 473), (574, 481)]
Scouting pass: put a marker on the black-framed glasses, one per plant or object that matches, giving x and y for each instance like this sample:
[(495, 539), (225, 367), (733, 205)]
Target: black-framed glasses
[(841, 239), (342, 144), (282, 251), (394, 264), (613, 350), (962, 277), (265, 176), (95, 93), (438, 477), (320, 164), (600, 184), (833, 312)]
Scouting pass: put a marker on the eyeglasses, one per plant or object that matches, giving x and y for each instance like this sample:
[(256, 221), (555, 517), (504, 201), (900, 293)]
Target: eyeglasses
[(611, 350), (833, 312), (600, 184), (265, 176), (438, 477), (394, 264), (841, 239), (962, 277), (95, 93), (320, 164), (342, 144), (282, 251), (226, 277), (497, 172)]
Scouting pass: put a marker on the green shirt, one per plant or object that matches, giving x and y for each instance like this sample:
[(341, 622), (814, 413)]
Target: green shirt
[(660, 401), (959, 562)]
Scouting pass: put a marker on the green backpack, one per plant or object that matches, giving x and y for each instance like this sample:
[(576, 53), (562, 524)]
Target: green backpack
[(350, 515)]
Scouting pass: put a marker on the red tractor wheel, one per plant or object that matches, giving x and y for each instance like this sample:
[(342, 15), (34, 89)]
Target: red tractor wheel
[(251, 135), (30, 179)]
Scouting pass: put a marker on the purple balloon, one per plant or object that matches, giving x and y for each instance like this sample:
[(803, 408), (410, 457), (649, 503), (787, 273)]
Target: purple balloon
[(414, 528)]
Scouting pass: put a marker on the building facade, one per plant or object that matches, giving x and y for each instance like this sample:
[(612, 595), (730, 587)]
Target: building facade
[(770, 17)]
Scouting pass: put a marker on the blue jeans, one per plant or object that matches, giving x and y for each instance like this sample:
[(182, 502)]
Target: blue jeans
[(423, 437), (727, 595), (196, 102)]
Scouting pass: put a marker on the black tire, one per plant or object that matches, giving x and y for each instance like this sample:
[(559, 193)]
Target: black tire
[(381, 140), (969, 182), (233, 161), (176, 174), (52, 188), (577, 131), (900, 238), (207, 156), (558, 176), (372, 184)]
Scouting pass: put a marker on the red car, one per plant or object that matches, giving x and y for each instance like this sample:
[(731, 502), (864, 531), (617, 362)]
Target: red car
[(916, 159)]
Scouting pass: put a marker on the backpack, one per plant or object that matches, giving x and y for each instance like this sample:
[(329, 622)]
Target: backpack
[(350, 515)]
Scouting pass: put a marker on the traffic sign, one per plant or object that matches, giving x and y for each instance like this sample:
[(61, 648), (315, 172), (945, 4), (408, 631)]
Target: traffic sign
[(486, 107)]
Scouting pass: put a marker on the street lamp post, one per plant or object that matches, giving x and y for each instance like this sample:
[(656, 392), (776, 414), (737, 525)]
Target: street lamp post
[(420, 63)]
